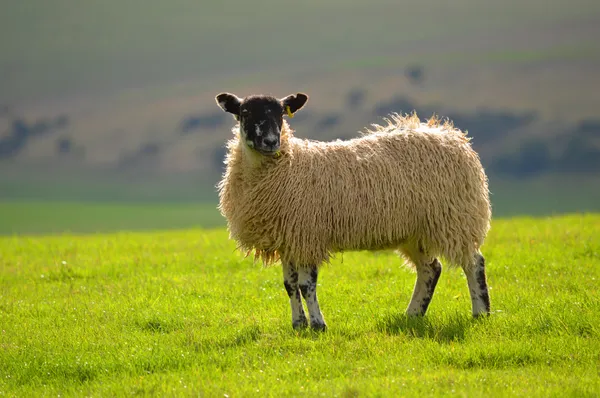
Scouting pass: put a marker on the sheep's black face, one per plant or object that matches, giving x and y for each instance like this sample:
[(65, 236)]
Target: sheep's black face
[(261, 118)]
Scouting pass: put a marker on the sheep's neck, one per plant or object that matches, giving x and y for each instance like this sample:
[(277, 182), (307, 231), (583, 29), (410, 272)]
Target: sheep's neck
[(251, 158)]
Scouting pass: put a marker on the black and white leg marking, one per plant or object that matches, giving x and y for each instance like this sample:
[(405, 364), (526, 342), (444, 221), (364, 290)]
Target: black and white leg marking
[(427, 278), (290, 282), (480, 297), (307, 281)]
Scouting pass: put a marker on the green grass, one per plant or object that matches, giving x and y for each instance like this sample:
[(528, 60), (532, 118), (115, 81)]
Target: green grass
[(545, 195), (32, 217), (181, 313)]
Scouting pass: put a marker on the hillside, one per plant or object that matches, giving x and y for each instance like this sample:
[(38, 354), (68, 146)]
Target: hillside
[(99, 97)]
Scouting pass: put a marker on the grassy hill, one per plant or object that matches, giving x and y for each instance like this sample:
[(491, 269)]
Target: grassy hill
[(62, 49), (181, 313), (114, 101)]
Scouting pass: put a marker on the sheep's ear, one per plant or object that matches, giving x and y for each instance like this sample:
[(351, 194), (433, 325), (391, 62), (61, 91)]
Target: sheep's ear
[(229, 102), (294, 101)]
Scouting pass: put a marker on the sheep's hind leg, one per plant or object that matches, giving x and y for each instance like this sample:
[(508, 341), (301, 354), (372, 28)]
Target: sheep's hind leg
[(476, 279), (307, 280), (290, 282), (427, 278)]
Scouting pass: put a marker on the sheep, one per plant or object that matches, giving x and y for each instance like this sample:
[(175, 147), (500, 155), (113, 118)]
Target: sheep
[(415, 187)]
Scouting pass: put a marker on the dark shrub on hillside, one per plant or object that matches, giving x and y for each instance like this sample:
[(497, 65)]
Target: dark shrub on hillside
[(20, 132), (328, 122), (415, 73), (15, 140), (64, 146), (580, 156), (487, 125), (355, 98), (588, 128), (531, 159), (149, 149)]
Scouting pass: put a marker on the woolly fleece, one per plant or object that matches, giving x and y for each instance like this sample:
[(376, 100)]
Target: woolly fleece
[(411, 186)]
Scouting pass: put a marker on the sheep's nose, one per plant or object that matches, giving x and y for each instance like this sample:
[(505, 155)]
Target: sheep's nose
[(271, 141)]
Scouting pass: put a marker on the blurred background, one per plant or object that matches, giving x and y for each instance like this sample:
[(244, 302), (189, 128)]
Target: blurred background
[(108, 119)]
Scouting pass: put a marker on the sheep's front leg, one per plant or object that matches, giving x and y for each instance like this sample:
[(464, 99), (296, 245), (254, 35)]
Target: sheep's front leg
[(307, 280), (290, 282), (476, 279), (427, 278)]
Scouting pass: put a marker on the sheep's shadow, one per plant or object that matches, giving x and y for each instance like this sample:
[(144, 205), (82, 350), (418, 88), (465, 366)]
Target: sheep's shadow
[(443, 330)]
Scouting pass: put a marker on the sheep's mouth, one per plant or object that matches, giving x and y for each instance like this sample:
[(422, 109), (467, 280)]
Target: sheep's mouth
[(269, 152)]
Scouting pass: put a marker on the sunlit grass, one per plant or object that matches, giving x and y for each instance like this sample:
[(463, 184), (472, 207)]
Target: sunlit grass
[(181, 313)]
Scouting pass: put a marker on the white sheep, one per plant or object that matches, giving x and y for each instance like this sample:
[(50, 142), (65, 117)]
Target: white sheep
[(415, 187)]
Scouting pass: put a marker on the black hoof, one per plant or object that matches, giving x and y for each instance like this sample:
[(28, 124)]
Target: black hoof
[(300, 324), (318, 327)]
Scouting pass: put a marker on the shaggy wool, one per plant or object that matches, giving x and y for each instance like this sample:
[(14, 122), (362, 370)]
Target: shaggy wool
[(407, 185)]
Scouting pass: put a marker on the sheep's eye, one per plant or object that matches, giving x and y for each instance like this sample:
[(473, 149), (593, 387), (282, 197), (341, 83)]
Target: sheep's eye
[(268, 111), (245, 112)]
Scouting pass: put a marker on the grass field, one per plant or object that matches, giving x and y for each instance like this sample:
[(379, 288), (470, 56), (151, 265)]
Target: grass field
[(180, 313), (33, 217), (175, 204)]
